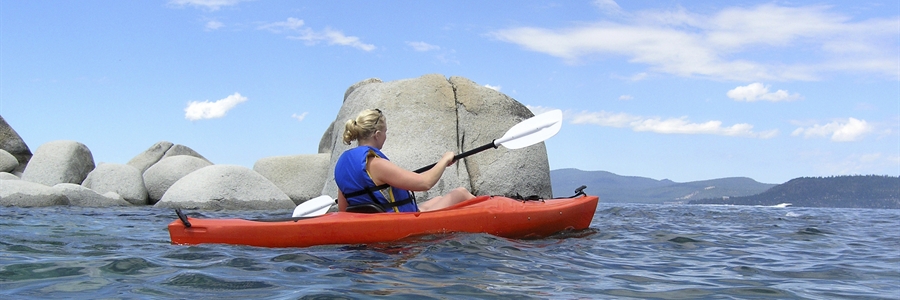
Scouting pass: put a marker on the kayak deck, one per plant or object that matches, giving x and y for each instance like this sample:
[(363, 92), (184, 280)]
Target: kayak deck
[(494, 215)]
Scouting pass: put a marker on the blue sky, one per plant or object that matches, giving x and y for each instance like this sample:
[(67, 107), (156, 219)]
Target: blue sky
[(684, 90)]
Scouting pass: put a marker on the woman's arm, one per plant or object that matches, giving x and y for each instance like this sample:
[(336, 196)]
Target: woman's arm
[(384, 171), (341, 201)]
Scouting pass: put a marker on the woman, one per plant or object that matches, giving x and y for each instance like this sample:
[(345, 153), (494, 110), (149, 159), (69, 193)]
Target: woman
[(361, 173)]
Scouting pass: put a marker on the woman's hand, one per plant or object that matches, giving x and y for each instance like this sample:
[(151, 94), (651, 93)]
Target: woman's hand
[(448, 157)]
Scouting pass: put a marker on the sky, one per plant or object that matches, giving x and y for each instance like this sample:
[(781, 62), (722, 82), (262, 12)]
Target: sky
[(679, 90)]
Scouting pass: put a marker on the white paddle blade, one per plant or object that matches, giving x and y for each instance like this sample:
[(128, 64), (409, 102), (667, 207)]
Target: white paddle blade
[(532, 131), (313, 207)]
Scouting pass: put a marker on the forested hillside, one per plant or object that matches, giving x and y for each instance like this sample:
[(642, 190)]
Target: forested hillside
[(841, 191), (617, 188)]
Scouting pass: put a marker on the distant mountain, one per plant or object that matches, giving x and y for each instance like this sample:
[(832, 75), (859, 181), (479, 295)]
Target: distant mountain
[(616, 188), (841, 191)]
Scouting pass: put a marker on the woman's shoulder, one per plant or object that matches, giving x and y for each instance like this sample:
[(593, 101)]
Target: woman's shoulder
[(363, 151)]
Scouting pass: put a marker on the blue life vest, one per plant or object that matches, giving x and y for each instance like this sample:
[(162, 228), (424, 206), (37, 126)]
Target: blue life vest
[(354, 181)]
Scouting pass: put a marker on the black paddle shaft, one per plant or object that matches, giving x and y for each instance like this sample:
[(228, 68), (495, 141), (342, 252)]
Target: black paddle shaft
[(461, 155)]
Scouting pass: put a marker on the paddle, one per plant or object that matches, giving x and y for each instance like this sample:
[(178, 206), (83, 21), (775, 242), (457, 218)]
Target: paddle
[(528, 132), (313, 207)]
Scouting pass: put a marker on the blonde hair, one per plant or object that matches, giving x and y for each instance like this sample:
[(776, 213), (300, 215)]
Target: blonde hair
[(365, 124)]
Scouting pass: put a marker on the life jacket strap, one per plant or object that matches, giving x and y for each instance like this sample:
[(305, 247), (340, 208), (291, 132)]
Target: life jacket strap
[(371, 192)]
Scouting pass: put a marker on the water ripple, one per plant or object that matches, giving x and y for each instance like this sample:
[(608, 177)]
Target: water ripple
[(630, 251)]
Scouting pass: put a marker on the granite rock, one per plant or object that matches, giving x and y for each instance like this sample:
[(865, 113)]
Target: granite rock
[(59, 162), (11, 142), (301, 177), (8, 162), (162, 175), (23, 193), (219, 187), (81, 196), (121, 179), (430, 115), (158, 151)]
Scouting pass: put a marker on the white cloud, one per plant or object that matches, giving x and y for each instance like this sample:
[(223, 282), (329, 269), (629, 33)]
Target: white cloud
[(210, 110), (626, 97), (668, 126), (300, 117), (840, 131), (213, 25), (725, 44), (422, 46), (854, 164), (312, 37), (757, 91), (604, 118), (636, 77), (493, 87), (609, 6), (208, 4), (278, 27), (537, 109)]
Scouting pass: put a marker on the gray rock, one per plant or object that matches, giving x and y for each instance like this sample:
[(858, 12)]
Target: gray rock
[(13, 143), (225, 187), (8, 162), (23, 193), (121, 179), (8, 176), (159, 151), (301, 177), (59, 162), (163, 174), (485, 115), (422, 125), (430, 115), (327, 141), (150, 156), (359, 84), (82, 196), (183, 150)]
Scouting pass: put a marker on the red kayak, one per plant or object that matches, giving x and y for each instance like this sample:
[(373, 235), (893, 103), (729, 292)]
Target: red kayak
[(500, 216)]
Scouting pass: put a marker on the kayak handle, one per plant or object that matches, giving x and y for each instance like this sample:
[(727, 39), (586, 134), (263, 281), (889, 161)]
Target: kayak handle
[(580, 191), (183, 218)]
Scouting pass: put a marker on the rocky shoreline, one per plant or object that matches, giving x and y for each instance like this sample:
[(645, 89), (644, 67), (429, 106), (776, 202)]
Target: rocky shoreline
[(165, 175), (460, 115)]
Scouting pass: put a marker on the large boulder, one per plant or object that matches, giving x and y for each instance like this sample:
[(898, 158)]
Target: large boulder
[(81, 196), (484, 115), (150, 156), (430, 115), (163, 174), (225, 187), (121, 179), (157, 152), (29, 194), (13, 143), (59, 162), (8, 176), (422, 125), (301, 177), (8, 162)]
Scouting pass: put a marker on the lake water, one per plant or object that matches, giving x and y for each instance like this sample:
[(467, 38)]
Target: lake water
[(631, 251)]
